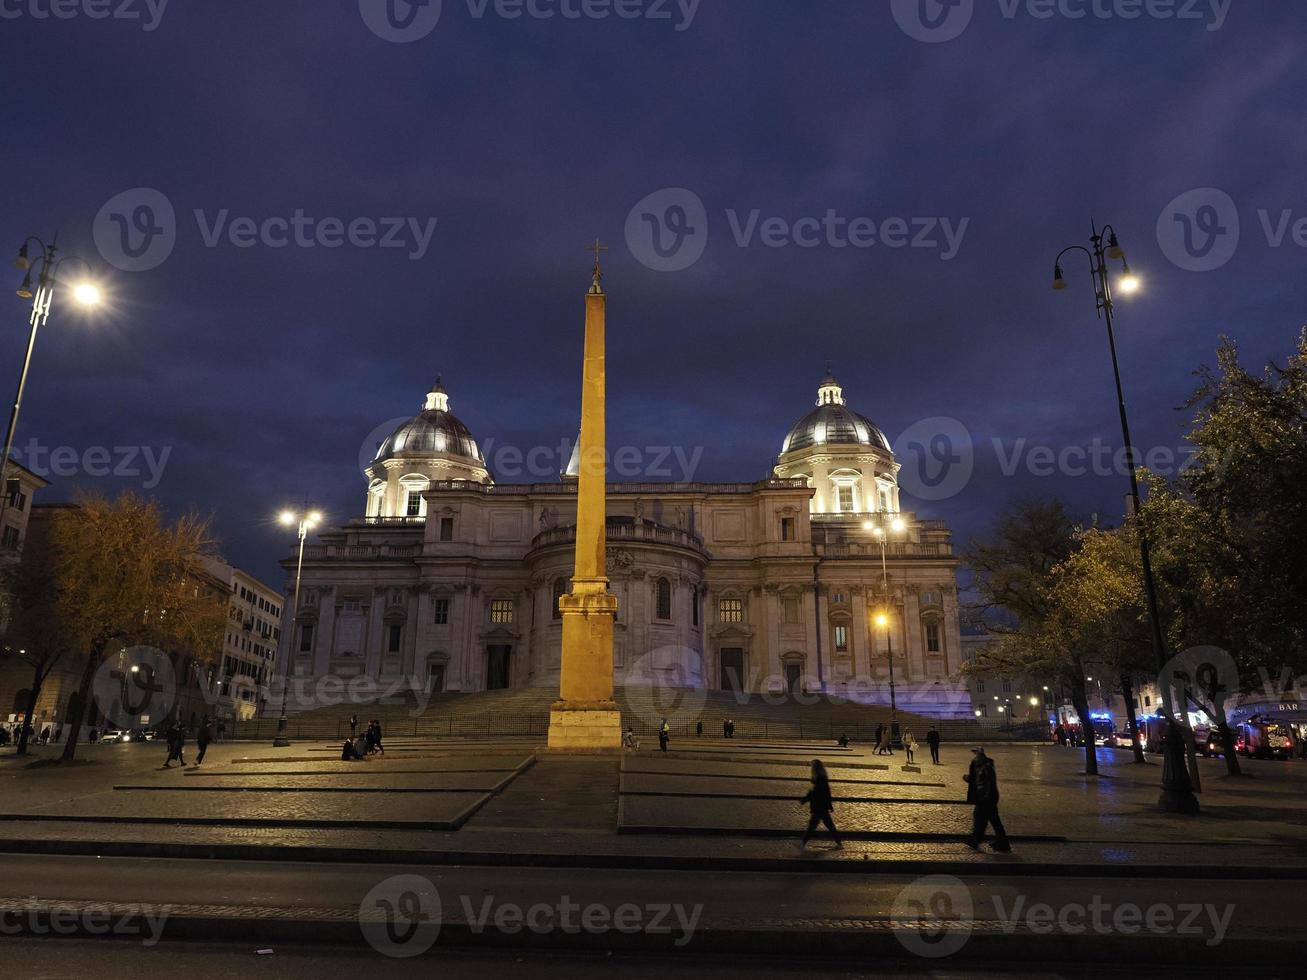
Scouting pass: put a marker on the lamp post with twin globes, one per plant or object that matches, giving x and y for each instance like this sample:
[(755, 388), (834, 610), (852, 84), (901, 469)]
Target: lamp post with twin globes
[(1177, 790), (303, 521)]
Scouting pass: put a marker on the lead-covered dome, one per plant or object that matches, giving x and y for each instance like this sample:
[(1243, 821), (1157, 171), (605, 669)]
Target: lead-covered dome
[(435, 431), (833, 423)]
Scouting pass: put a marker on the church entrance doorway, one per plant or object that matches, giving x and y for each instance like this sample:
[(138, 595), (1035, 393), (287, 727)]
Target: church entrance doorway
[(435, 678), (732, 660), (794, 678), (497, 660)]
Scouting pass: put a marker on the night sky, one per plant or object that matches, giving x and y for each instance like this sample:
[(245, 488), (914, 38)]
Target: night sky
[(262, 371)]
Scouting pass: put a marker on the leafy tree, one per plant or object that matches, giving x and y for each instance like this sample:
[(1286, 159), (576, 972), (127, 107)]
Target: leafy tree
[(124, 577), (35, 636)]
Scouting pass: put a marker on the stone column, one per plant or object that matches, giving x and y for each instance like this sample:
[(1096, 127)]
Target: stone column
[(585, 717)]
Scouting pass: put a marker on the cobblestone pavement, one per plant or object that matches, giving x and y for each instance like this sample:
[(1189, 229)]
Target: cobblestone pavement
[(1045, 793)]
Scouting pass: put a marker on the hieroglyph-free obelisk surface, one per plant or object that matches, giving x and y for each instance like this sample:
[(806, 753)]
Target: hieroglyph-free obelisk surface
[(585, 716)]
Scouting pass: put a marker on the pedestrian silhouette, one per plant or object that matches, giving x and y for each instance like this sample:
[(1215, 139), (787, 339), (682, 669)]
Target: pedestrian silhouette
[(982, 791), (932, 740), (820, 805)]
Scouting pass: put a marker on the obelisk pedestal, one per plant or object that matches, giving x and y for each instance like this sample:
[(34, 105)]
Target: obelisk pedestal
[(585, 717)]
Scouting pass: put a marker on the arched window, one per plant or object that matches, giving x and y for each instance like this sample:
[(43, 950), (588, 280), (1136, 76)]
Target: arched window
[(663, 605), (560, 589)]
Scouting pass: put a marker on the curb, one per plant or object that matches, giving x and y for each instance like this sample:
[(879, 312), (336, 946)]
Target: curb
[(813, 938), (996, 867)]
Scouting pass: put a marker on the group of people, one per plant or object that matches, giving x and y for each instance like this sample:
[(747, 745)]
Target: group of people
[(885, 743), (41, 734), (175, 736), (982, 793), (362, 744)]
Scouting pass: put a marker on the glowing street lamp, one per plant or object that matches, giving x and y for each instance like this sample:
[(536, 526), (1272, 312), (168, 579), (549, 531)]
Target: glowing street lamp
[(85, 293), (304, 521), (881, 531), (1177, 790)]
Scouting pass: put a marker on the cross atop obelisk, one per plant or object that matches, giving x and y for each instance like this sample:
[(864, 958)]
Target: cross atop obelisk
[(585, 717), (598, 249)]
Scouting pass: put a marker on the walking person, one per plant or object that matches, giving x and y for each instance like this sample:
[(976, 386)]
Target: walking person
[(176, 745), (909, 744), (730, 728), (820, 805), (982, 791), (202, 739), (629, 740), (664, 735), (932, 740), (883, 746), (353, 725), (880, 732), (698, 728), (376, 741), (222, 731)]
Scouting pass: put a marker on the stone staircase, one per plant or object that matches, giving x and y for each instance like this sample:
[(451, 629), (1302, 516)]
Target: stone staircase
[(525, 712)]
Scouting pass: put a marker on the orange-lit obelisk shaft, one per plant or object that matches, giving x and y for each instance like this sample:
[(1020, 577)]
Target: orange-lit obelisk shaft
[(585, 718)]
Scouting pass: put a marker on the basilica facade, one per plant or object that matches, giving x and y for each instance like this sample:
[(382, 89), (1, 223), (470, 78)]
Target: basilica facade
[(811, 581)]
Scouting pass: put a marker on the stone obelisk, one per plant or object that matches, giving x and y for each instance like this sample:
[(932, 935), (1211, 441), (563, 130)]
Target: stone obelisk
[(585, 716)]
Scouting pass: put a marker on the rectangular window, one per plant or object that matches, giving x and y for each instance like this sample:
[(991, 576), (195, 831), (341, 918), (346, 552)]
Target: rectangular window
[(846, 499), (306, 638), (884, 500), (10, 538), (20, 501), (1007, 687), (787, 528), (501, 610), (414, 504), (980, 686), (841, 638), (932, 637), (442, 612), (446, 529), (694, 607), (730, 610), (396, 634), (790, 609)]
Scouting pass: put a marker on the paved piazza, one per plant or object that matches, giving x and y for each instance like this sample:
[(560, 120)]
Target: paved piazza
[(706, 786)]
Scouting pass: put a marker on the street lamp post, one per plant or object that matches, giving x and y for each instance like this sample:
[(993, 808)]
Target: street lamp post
[(881, 533), (85, 293), (1177, 790), (304, 521)]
